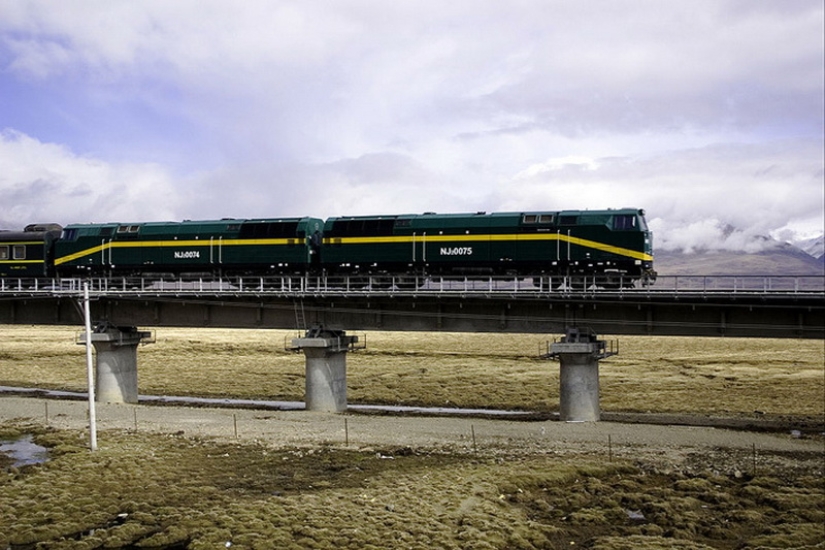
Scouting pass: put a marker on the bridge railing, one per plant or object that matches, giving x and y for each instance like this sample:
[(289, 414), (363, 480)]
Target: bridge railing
[(384, 284), (741, 283)]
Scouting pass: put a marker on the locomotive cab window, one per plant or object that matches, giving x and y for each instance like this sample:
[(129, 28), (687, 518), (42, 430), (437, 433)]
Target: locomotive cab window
[(69, 234), (624, 222), (4, 252), (19, 252)]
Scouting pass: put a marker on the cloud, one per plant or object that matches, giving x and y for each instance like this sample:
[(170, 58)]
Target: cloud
[(42, 182), (756, 188), (703, 113), (385, 183), (473, 66), (708, 235)]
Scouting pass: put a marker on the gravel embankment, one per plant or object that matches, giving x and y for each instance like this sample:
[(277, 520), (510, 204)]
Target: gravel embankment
[(301, 428)]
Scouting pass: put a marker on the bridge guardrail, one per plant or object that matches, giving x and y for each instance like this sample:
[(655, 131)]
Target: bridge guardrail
[(297, 285)]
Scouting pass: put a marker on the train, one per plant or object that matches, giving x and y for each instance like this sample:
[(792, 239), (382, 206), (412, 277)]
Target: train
[(613, 247)]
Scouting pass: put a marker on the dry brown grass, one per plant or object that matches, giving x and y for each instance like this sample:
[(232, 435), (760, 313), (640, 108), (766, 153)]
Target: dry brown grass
[(145, 490), (161, 491), (658, 374)]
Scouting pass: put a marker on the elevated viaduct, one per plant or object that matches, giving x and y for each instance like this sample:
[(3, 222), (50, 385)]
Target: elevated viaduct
[(696, 306), (743, 306)]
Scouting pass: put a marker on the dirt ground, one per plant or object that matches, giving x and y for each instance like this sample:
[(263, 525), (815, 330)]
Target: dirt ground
[(301, 428)]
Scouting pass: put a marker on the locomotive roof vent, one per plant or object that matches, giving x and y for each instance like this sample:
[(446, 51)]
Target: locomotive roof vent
[(40, 227)]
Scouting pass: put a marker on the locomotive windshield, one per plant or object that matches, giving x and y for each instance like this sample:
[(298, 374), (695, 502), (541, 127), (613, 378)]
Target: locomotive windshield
[(632, 222), (69, 234), (624, 221)]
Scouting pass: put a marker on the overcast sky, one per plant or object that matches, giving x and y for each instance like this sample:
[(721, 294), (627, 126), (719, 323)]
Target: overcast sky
[(704, 113)]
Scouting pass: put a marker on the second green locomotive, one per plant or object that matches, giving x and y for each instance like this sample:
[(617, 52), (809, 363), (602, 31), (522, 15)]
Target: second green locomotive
[(613, 247)]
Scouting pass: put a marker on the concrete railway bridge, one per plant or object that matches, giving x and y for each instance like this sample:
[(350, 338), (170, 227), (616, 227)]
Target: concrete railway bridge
[(322, 309), (746, 306)]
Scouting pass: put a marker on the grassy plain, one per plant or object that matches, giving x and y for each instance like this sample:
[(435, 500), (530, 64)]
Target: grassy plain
[(716, 376), (150, 490), (176, 491)]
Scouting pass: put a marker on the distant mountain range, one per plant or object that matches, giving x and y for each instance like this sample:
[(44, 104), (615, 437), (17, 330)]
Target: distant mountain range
[(815, 246), (804, 258)]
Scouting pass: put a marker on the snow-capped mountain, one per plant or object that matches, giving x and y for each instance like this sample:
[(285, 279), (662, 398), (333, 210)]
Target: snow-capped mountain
[(729, 251), (814, 246)]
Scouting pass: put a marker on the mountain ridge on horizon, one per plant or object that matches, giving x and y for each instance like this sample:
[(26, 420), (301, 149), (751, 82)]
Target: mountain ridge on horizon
[(784, 259)]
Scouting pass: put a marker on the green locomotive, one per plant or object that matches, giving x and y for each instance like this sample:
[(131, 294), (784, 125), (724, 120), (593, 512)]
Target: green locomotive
[(613, 246), (284, 245), (609, 248)]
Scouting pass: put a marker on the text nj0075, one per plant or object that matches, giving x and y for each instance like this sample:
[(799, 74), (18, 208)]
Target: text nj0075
[(457, 251)]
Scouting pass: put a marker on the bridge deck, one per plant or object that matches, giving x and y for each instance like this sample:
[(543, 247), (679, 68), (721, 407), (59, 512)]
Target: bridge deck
[(764, 306)]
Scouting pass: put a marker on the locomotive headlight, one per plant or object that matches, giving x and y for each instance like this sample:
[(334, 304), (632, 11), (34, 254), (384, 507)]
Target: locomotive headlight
[(638, 262)]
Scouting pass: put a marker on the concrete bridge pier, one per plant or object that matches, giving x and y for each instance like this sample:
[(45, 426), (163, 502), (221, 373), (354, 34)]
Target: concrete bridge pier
[(116, 379), (578, 353), (326, 368)]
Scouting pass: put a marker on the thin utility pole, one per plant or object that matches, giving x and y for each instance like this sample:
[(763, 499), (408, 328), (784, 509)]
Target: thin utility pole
[(90, 377)]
